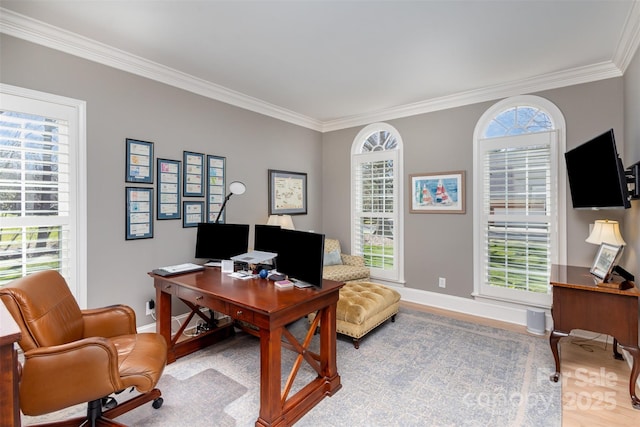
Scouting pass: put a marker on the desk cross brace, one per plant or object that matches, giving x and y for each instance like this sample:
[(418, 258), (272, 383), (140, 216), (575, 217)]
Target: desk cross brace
[(302, 353)]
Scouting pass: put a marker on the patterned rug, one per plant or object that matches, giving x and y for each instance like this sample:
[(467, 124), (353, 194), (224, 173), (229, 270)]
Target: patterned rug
[(422, 370)]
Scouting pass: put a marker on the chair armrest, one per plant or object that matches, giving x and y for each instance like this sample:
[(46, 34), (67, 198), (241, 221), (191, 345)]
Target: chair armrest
[(109, 321), (64, 375), (355, 260)]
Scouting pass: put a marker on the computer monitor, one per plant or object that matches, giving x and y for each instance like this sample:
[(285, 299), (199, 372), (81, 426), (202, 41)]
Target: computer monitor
[(300, 256), (221, 241), (266, 238)]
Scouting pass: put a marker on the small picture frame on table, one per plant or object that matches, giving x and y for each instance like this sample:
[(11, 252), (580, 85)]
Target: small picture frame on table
[(605, 261), (193, 213)]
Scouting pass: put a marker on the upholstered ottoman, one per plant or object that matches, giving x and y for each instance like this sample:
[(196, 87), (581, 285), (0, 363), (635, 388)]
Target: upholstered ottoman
[(362, 306)]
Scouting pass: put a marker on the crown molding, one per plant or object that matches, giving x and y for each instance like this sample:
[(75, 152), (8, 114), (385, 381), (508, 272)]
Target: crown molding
[(604, 70), (629, 39), (41, 33)]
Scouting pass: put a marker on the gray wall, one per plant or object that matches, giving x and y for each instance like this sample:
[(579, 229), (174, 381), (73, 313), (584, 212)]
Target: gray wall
[(121, 105), (631, 225), (440, 245)]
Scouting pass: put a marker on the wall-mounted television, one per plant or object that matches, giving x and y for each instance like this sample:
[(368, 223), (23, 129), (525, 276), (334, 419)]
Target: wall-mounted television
[(596, 175), (301, 256), (218, 242)]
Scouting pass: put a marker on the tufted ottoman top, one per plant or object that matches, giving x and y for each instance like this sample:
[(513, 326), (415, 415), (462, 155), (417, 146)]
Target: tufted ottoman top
[(359, 301)]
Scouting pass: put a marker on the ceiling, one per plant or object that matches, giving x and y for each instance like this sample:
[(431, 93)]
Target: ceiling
[(334, 64)]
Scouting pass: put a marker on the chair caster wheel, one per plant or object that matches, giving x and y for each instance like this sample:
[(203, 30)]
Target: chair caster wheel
[(109, 403), (157, 403)]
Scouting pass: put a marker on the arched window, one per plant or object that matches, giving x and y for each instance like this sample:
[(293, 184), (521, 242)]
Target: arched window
[(376, 200), (519, 200)]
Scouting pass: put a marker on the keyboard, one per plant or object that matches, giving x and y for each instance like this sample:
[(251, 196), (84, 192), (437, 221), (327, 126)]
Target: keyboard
[(170, 270)]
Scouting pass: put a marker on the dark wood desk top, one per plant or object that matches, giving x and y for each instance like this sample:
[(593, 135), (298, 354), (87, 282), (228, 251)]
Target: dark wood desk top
[(259, 295), (570, 276)]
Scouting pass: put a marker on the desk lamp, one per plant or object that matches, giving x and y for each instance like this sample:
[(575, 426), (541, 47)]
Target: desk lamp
[(606, 231), (284, 221), (236, 187)]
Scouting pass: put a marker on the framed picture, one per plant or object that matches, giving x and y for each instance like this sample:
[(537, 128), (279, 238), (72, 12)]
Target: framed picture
[(139, 210), (139, 161), (215, 187), (168, 198), (287, 193), (441, 192), (193, 174), (193, 213), (605, 260)]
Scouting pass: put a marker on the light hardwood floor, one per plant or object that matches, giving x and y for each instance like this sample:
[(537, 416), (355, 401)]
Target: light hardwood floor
[(595, 386)]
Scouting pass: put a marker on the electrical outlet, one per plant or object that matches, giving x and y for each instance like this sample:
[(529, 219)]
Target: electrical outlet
[(150, 307), (442, 282)]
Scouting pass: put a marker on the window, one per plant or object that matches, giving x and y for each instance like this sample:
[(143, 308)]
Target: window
[(518, 225), (42, 195), (376, 198)]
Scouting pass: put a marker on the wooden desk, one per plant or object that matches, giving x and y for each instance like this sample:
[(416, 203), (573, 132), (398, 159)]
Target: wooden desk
[(9, 379), (260, 303), (578, 303)]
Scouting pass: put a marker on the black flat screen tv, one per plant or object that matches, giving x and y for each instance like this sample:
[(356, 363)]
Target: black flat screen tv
[(217, 242), (596, 175), (301, 256)]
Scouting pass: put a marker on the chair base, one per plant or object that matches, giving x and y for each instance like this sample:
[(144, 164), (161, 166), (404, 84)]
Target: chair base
[(96, 417)]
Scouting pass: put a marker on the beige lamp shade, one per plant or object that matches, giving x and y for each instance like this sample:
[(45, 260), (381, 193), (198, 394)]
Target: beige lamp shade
[(605, 231), (284, 221)]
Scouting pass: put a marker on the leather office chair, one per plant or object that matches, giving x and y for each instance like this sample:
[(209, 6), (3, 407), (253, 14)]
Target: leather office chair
[(72, 356)]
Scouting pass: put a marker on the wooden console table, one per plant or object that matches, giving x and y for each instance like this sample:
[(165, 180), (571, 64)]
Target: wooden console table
[(9, 405), (259, 303), (578, 303)]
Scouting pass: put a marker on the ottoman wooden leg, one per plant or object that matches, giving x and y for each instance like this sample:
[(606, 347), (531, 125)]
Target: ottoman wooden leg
[(356, 343)]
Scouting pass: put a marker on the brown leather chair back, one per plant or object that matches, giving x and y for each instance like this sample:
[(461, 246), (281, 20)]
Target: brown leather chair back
[(45, 318)]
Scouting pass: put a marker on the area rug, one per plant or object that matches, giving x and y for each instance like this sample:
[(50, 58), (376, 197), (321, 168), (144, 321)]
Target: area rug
[(422, 370)]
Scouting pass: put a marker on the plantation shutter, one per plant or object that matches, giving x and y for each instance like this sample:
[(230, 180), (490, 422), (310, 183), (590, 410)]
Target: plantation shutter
[(517, 214), (35, 198), (375, 215)]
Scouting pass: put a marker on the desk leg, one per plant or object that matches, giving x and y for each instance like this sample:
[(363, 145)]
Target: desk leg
[(270, 378), (163, 322), (554, 339), (328, 349), (635, 370)]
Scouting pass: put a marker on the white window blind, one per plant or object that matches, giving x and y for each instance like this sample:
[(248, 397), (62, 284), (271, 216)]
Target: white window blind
[(34, 194), (517, 215), (375, 210), (376, 200)]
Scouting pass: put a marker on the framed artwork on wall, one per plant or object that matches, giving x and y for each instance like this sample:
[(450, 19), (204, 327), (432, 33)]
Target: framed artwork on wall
[(139, 211), (441, 192), (193, 213), (168, 198), (193, 174), (215, 186), (287, 193), (139, 162)]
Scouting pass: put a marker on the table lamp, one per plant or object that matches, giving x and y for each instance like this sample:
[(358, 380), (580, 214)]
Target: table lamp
[(236, 187), (284, 221), (606, 231)]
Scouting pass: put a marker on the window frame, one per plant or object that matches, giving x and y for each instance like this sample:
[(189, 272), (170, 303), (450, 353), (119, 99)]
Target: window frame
[(74, 112), (396, 275), (558, 181)]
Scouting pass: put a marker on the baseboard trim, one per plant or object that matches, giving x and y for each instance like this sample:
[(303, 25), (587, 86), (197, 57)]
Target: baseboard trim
[(494, 311)]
